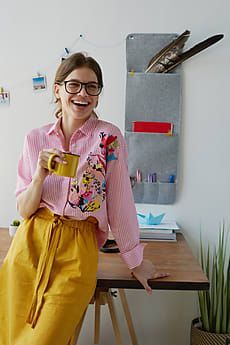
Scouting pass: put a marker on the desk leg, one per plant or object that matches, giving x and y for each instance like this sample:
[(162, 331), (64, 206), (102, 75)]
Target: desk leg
[(97, 318), (125, 306), (114, 319)]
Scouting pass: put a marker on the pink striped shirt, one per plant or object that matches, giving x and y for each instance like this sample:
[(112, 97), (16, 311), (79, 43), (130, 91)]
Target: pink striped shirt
[(101, 187)]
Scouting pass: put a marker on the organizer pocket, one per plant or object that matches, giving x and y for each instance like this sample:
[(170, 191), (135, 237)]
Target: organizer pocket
[(154, 193), (152, 153), (141, 47), (167, 193), (153, 97)]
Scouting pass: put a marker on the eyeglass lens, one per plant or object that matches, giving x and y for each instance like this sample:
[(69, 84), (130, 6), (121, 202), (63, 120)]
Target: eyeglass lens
[(91, 88)]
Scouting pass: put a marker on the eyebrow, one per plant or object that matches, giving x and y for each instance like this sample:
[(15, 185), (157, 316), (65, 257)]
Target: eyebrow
[(91, 81)]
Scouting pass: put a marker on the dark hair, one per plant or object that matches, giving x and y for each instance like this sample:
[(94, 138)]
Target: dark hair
[(68, 65)]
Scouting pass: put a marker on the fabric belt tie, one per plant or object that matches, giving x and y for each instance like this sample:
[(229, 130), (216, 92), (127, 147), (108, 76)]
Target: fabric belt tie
[(44, 269)]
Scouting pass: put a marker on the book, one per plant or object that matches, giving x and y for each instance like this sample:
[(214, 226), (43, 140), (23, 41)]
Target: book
[(155, 231), (158, 236), (170, 225), (152, 127), (164, 231), (158, 240)]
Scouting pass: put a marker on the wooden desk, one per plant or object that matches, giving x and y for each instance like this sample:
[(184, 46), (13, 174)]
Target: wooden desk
[(175, 258)]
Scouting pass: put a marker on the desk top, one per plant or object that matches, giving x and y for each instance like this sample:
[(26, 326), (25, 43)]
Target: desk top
[(175, 258)]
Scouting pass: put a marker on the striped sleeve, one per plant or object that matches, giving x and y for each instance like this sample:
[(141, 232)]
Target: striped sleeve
[(121, 207), (24, 176)]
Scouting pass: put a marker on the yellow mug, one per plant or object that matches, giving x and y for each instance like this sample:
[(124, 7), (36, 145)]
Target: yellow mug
[(69, 169)]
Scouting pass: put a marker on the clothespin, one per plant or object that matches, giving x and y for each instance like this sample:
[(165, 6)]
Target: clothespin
[(132, 72), (66, 53), (169, 133)]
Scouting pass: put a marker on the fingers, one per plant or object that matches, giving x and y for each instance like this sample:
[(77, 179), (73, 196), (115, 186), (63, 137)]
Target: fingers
[(60, 155), (157, 275), (44, 156), (43, 159), (42, 170), (144, 283), (143, 278), (145, 271), (147, 287)]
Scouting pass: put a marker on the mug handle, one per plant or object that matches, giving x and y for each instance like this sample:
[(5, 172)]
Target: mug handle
[(50, 161)]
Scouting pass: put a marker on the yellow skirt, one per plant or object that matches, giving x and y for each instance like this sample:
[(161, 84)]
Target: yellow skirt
[(47, 279)]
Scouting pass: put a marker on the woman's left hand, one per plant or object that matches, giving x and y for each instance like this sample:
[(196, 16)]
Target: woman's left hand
[(145, 271)]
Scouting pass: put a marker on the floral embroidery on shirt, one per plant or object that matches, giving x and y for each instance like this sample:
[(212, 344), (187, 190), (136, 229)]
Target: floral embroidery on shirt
[(89, 192), (108, 144)]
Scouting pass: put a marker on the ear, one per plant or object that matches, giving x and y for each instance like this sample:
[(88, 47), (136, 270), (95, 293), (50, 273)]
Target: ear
[(56, 91)]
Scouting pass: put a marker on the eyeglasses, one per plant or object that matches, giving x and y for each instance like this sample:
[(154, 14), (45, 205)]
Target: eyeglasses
[(74, 86)]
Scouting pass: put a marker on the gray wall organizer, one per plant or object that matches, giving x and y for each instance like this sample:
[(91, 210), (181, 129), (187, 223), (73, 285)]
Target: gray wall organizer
[(152, 97)]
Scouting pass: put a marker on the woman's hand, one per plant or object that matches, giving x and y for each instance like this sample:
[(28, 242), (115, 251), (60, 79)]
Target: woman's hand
[(29, 200), (145, 271), (42, 165)]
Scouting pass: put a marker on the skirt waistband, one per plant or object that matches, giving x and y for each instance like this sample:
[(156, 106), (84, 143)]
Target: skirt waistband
[(45, 213)]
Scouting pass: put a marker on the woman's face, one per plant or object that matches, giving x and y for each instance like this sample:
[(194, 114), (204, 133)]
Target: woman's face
[(78, 106)]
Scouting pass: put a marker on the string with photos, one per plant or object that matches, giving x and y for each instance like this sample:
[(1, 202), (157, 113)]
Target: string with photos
[(103, 46), (66, 52)]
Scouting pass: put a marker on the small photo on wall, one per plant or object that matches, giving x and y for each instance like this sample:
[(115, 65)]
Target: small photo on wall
[(4, 98), (39, 83)]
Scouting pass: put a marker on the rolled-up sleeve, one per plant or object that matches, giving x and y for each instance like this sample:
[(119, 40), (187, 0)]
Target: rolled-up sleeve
[(121, 207), (24, 176)]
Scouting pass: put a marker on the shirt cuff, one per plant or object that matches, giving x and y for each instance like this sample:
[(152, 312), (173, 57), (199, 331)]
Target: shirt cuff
[(134, 257)]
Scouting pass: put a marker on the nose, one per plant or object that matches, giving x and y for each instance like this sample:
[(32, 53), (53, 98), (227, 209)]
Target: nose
[(83, 91)]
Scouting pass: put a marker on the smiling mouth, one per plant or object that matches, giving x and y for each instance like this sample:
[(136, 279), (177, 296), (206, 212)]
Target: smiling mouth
[(80, 103)]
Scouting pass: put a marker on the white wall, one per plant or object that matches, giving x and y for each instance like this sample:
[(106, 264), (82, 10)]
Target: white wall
[(33, 36)]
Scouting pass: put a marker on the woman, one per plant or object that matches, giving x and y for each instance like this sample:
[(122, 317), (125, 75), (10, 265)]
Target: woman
[(49, 274)]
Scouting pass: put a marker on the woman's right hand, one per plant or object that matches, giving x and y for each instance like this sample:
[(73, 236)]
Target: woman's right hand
[(29, 200), (42, 165)]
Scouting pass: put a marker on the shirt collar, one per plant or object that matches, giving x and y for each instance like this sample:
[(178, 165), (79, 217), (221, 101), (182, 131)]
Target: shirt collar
[(87, 127), (56, 127)]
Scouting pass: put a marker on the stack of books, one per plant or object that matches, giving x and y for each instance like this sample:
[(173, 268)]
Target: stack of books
[(161, 232)]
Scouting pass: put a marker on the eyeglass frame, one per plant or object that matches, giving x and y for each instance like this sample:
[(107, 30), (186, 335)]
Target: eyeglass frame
[(82, 85)]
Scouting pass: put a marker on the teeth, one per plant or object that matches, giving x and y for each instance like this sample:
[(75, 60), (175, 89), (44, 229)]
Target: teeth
[(80, 102)]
